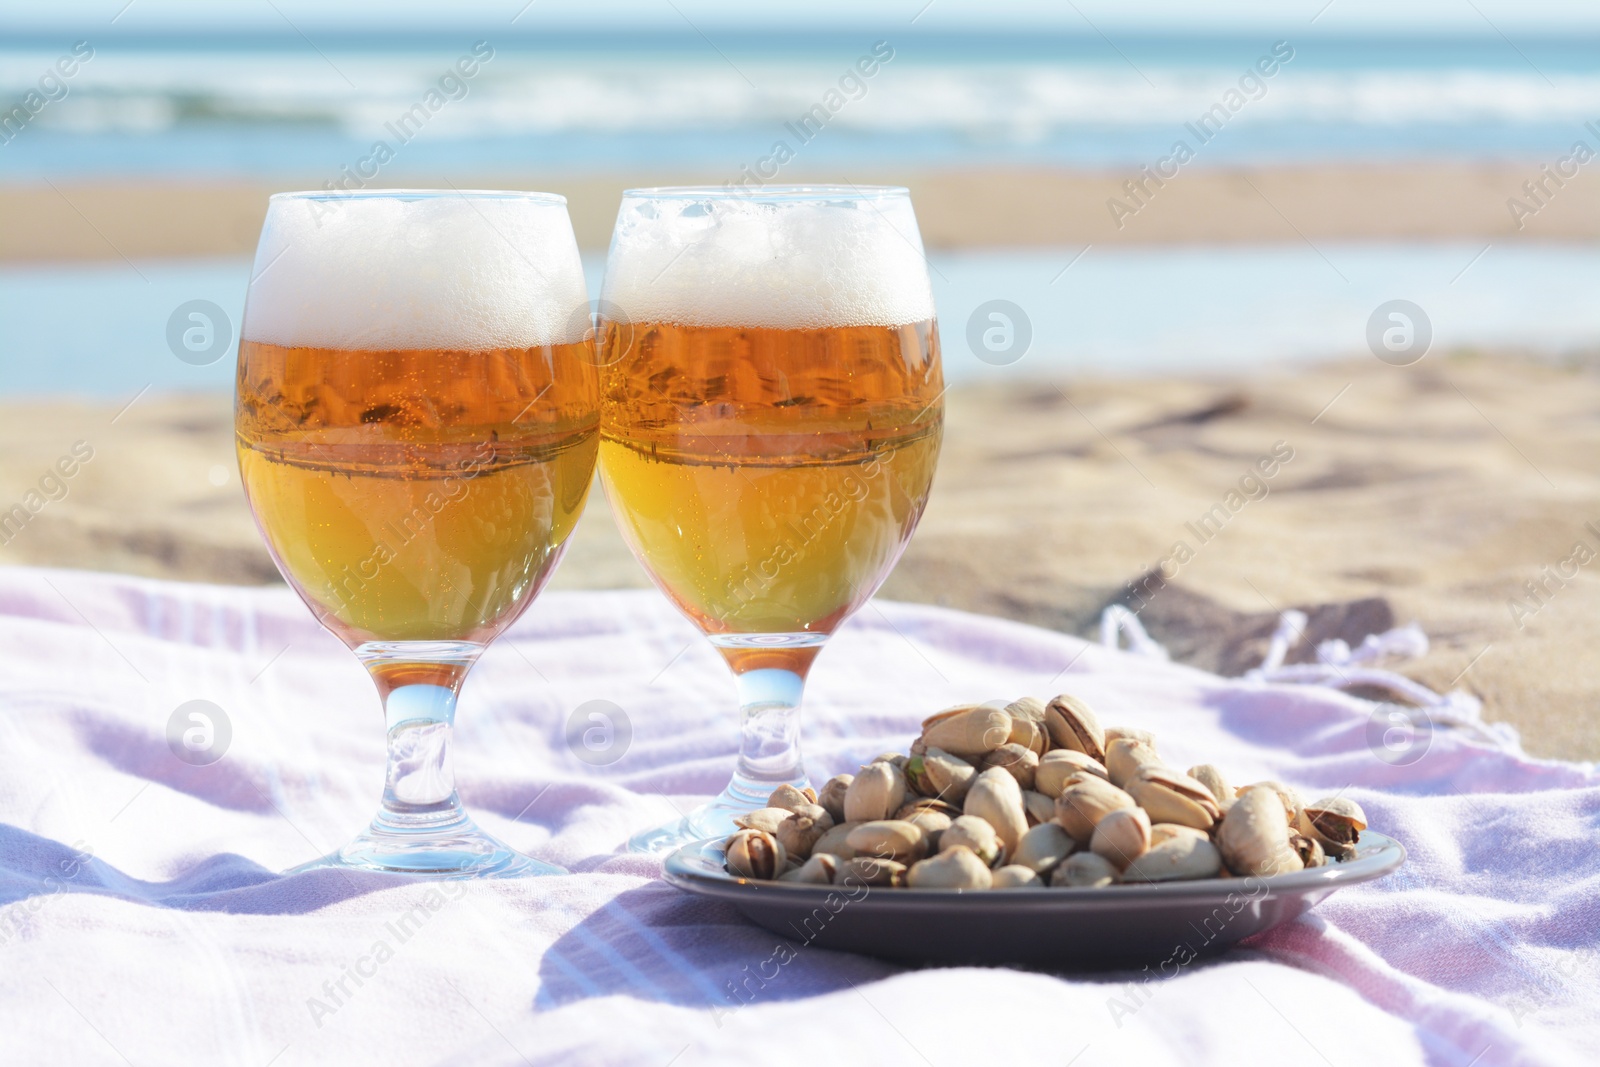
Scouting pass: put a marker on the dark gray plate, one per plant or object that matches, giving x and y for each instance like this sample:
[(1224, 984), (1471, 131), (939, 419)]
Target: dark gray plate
[(1166, 924)]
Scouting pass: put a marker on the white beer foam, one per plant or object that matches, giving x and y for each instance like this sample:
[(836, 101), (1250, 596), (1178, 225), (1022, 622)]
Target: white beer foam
[(785, 264), (381, 273)]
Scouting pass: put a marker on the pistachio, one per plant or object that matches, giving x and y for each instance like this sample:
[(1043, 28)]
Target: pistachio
[(1121, 837), (1084, 870), (754, 854), (1125, 757), (1041, 848), (792, 798), (1027, 724), (820, 869), (936, 773), (925, 804), (972, 833), (1291, 799), (890, 839), (1071, 724), (817, 814), (1179, 857), (933, 824), (1084, 802), (878, 790), (768, 819), (1059, 764), (798, 834), (1165, 831), (997, 799), (1172, 797), (831, 796), (1252, 837), (1213, 780), (967, 730), (1038, 808), (1308, 849), (897, 759), (1335, 823), (1019, 762), (836, 841), (1015, 877), (1118, 733), (870, 871), (954, 868)]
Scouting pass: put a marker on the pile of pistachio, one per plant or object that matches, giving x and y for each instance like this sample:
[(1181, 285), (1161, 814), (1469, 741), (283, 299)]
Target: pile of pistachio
[(1035, 794)]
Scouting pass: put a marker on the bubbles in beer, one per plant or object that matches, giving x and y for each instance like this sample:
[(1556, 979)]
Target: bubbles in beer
[(384, 272), (765, 260)]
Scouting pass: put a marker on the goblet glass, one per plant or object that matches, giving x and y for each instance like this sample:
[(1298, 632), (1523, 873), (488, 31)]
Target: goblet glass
[(416, 420), (771, 413)]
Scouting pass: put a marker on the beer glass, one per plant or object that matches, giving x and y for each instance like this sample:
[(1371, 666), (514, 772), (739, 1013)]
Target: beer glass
[(771, 415), (416, 420)]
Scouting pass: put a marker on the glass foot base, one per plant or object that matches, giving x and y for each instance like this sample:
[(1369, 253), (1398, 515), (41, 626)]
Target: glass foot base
[(462, 851), (709, 820)]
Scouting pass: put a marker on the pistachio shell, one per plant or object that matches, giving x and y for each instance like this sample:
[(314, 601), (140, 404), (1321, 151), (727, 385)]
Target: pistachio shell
[(1038, 808), (1124, 758), (1164, 831), (831, 796), (1334, 823), (1214, 781), (768, 819), (1085, 802), (1116, 733), (1019, 762), (1027, 724), (798, 834), (1059, 764), (820, 869), (871, 871), (933, 824), (1072, 724), (972, 833), (897, 759), (1042, 847), (967, 730), (928, 804), (936, 773), (1121, 837), (1252, 836), (754, 854), (1291, 800), (1179, 857), (954, 868), (1172, 797), (890, 839), (1308, 849), (878, 790), (997, 799), (791, 798), (836, 841), (1015, 877), (1084, 870)]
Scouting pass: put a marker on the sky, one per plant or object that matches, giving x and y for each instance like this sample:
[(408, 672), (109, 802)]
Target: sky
[(1511, 18)]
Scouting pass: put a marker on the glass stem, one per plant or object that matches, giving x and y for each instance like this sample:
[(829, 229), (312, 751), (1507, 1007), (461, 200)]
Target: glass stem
[(769, 741), (419, 684)]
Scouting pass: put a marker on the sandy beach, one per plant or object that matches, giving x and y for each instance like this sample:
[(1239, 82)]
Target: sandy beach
[(976, 208), (1432, 493)]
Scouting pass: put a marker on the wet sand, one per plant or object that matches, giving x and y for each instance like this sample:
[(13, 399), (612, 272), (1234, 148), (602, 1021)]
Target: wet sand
[(1432, 493), (976, 208)]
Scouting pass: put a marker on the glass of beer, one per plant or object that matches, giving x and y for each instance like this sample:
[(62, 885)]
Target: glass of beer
[(771, 413), (416, 424)]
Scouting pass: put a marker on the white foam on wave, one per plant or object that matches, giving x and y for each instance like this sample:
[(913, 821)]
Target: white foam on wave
[(785, 264), (383, 273)]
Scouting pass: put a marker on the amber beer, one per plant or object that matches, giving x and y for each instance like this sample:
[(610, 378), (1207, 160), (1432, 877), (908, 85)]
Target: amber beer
[(769, 478), (419, 495)]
